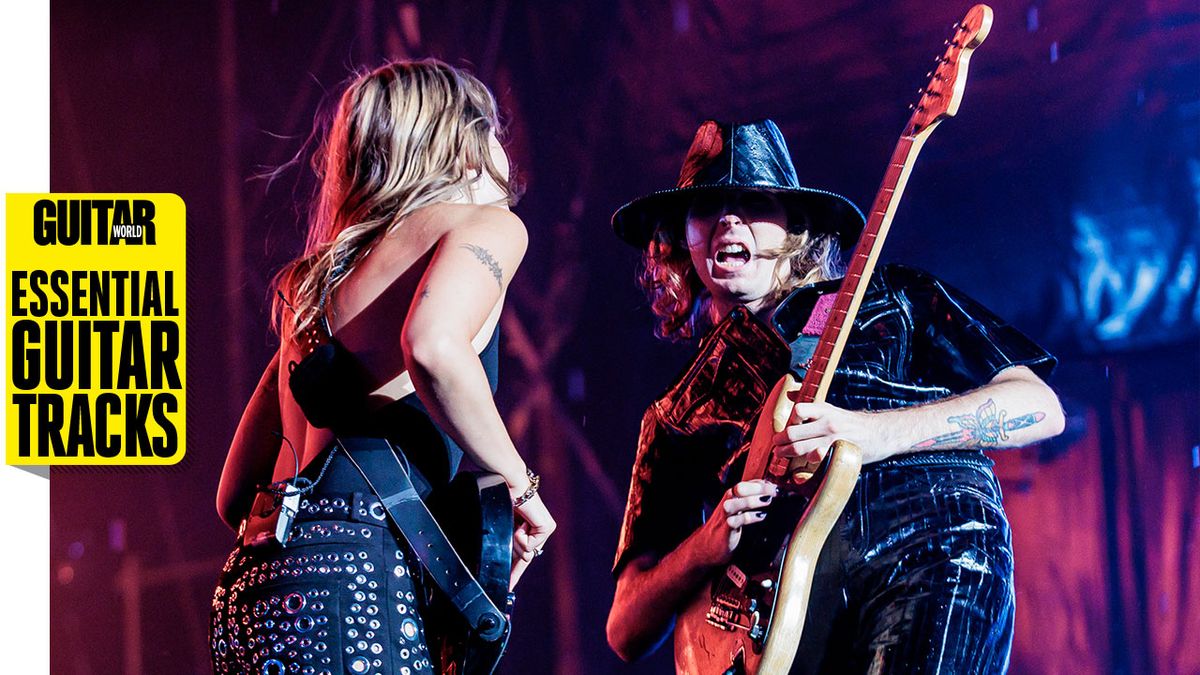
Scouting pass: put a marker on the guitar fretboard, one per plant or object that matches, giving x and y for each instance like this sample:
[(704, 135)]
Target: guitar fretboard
[(858, 273)]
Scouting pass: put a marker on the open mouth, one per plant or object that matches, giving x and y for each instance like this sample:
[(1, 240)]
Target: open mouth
[(733, 255)]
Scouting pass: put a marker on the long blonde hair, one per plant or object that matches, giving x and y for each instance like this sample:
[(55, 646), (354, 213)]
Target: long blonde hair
[(405, 135), (678, 298)]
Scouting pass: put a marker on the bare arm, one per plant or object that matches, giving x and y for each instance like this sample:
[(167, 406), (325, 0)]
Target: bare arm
[(650, 592), (462, 286), (1016, 408), (253, 452)]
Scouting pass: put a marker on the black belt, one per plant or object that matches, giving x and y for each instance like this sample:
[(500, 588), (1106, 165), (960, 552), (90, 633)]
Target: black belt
[(425, 537), (357, 507), (969, 458)]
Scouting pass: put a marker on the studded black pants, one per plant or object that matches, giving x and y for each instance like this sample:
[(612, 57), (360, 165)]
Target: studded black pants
[(340, 599)]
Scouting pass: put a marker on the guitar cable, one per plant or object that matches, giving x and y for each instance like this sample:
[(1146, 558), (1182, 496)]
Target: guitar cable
[(299, 485)]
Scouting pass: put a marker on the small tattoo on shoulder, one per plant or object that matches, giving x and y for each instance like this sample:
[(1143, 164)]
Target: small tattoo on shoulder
[(484, 256), (424, 293)]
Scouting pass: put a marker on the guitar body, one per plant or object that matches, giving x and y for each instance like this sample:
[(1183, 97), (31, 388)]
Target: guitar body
[(725, 628), (475, 512), (749, 618)]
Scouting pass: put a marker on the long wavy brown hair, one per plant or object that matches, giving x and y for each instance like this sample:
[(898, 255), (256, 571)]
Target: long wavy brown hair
[(681, 303), (403, 136)]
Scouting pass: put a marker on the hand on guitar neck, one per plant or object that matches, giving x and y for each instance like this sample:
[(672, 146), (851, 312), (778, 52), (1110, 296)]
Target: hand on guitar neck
[(813, 427), (1016, 408)]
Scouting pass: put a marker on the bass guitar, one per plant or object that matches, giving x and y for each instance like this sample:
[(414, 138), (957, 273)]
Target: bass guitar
[(749, 619)]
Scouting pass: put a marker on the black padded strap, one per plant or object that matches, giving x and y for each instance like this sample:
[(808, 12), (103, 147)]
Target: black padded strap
[(425, 537)]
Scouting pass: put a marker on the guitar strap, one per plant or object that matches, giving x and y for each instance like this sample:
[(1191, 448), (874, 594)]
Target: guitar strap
[(410, 516)]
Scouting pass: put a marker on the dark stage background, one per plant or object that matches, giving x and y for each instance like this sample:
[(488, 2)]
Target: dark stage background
[(1064, 196)]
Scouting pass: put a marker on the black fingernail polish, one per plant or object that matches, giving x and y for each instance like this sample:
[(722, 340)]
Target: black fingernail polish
[(766, 499)]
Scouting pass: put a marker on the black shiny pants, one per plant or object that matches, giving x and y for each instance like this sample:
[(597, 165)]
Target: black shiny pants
[(917, 576), (340, 599)]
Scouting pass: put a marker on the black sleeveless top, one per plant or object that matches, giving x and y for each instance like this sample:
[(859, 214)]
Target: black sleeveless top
[(407, 424)]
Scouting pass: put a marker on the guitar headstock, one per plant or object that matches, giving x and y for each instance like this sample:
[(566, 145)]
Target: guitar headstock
[(941, 97)]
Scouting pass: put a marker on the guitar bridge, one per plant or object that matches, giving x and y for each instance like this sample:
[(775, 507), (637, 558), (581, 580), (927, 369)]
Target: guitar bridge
[(729, 618)]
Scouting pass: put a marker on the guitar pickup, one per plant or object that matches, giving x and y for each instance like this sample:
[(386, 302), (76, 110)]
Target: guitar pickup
[(736, 575)]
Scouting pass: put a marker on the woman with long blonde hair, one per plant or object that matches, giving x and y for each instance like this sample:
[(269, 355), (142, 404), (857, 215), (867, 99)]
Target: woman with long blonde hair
[(410, 250)]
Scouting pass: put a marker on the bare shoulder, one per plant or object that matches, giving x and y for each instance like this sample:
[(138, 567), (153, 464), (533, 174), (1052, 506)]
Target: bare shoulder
[(446, 223), (492, 222), (494, 236), (482, 238)]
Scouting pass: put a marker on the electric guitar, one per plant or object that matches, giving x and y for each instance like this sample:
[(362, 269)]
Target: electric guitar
[(749, 619), (475, 511)]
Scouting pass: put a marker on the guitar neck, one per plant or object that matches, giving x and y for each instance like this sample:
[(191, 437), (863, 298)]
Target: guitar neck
[(838, 473), (858, 273)]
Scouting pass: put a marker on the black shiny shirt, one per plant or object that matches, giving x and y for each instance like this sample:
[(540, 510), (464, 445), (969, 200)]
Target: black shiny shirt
[(915, 340)]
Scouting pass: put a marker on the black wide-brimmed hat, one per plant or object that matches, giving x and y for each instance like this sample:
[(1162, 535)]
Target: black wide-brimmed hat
[(752, 157)]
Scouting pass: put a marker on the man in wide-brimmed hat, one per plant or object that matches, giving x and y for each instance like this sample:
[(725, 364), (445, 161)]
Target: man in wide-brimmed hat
[(917, 574)]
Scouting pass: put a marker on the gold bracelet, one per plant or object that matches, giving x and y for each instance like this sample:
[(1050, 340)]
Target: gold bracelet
[(535, 481)]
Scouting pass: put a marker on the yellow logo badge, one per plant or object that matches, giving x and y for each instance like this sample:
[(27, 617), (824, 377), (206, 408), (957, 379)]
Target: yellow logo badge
[(96, 329)]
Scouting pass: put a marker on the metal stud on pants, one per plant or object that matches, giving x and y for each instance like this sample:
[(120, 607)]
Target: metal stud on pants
[(358, 665)]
